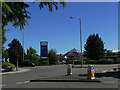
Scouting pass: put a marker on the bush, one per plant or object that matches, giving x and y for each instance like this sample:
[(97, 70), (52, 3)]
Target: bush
[(90, 62), (38, 63), (69, 62), (75, 62), (4, 65), (45, 62), (105, 62)]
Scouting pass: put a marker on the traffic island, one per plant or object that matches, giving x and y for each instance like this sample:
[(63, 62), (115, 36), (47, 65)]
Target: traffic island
[(65, 78)]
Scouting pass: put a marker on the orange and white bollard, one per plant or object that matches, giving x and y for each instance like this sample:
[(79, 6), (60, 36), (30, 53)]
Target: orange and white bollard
[(69, 69), (90, 71)]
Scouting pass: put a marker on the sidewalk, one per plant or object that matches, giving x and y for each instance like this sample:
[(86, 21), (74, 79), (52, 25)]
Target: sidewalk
[(20, 70)]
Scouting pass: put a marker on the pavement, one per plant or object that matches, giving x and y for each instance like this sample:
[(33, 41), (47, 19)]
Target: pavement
[(20, 70)]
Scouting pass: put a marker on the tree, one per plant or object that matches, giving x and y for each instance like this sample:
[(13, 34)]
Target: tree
[(31, 54), (5, 53), (4, 39), (53, 58), (15, 52), (61, 57), (16, 13), (94, 47)]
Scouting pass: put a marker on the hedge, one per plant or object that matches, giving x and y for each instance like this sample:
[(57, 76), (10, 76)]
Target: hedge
[(92, 62), (105, 62), (75, 62), (4, 64)]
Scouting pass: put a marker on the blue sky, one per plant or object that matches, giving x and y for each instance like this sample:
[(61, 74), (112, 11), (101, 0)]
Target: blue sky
[(63, 33)]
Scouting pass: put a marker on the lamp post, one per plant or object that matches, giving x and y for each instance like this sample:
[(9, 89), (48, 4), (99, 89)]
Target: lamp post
[(80, 41), (23, 44)]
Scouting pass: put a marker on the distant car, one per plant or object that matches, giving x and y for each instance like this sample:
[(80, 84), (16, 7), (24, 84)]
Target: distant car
[(29, 64)]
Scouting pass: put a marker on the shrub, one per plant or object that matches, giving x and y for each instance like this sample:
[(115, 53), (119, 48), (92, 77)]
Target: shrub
[(38, 63), (90, 62), (75, 62), (45, 62), (105, 61), (69, 62), (4, 65)]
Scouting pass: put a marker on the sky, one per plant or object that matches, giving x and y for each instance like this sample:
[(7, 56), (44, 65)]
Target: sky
[(63, 33)]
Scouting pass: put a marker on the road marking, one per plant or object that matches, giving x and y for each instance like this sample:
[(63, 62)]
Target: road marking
[(2, 85), (26, 81), (104, 71), (19, 83), (22, 82)]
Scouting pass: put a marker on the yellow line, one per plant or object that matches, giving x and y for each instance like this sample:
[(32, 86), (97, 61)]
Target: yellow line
[(104, 71)]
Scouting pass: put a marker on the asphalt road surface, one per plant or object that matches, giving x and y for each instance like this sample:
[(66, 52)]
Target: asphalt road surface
[(22, 80)]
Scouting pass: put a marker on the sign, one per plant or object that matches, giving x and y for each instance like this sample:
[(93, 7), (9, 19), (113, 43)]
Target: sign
[(1, 60), (92, 68), (44, 49), (8, 60)]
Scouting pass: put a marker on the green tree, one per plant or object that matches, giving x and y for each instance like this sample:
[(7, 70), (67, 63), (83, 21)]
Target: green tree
[(15, 49), (31, 54), (16, 13), (94, 47), (5, 54), (62, 57), (53, 58), (4, 39)]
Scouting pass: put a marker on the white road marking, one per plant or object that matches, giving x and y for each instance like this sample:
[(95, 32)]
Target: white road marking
[(19, 83), (2, 85), (22, 82), (26, 82)]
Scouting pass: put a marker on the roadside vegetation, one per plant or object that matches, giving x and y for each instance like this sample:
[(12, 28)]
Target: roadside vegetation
[(93, 62)]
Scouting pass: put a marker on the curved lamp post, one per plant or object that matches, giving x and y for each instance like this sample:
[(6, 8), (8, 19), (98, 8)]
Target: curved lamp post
[(80, 40)]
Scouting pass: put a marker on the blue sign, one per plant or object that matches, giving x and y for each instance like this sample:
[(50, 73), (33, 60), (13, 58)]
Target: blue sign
[(1, 60), (44, 49), (92, 67)]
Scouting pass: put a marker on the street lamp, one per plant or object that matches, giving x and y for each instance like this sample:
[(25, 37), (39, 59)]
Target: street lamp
[(23, 44), (80, 39)]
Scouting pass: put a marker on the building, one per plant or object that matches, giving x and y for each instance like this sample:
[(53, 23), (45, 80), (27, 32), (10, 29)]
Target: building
[(73, 54)]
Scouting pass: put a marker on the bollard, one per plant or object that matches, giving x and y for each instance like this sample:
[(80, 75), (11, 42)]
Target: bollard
[(69, 69), (91, 72)]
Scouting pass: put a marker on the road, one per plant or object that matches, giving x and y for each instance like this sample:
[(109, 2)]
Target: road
[(21, 80)]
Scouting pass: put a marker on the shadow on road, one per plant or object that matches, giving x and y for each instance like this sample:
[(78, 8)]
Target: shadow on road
[(115, 74)]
